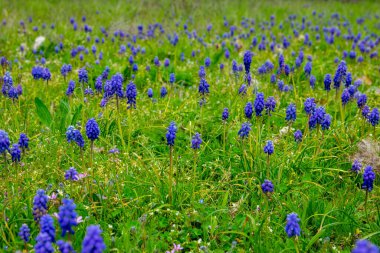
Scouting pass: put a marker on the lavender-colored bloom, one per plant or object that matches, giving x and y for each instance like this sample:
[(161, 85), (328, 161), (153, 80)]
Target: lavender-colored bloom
[(373, 118), (150, 93), (291, 113), (171, 134), (65, 69), (44, 244), (248, 78), (39, 204), (203, 87), (24, 233), (12, 93), (163, 92), (4, 141), (70, 134), (270, 105), (156, 61), (259, 103), (114, 151), (340, 74), (309, 105), (135, 67), (280, 85), (202, 72), (70, 88), (7, 84), (366, 111), (131, 94), (65, 247), (345, 97), (235, 68), (172, 78), (244, 130), (92, 129), (117, 85), (248, 110), (225, 114), (78, 138), (46, 75), (312, 81), (71, 174), (166, 62), (348, 79), (83, 75), (37, 72), (361, 100), (247, 61), (292, 227), (352, 90), (368, 178), (365, 246), (287, 69), (207, 62), (99, 84), (196, 141), (308, 68), (15, 153), (281, 62), (326, 122), (243, 89), (47, 226), (93, 241), (267, 186), (67, 216), (298, 136), (269, 148), (273, 79), (320, 114), (109, 90), (356, 166)]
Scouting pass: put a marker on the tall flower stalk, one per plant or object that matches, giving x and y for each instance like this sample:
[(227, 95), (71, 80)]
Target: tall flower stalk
[(170, 139)]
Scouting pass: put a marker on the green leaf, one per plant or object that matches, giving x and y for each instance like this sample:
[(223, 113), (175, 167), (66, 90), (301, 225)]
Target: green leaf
[(43, 112), (76, 115), (64, 110)]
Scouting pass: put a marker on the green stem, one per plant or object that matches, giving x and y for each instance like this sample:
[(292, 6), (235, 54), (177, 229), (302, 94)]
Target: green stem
[(92, 155), (171, 173), (194, 173), (5, 160), (129, 129), (120, 128), (296, 246), (365, 204)]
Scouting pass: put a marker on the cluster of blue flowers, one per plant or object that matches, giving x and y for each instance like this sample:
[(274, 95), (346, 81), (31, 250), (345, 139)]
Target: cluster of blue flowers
[(39, 72), (74, 135), (8, 89)]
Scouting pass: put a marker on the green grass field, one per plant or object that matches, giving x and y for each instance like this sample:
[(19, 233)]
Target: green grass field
[(150, 195)]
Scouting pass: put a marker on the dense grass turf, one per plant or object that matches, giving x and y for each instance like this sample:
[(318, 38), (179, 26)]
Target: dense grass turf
[(216, 203)]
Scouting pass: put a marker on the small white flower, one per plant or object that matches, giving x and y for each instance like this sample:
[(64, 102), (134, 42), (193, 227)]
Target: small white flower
[(38, 42)]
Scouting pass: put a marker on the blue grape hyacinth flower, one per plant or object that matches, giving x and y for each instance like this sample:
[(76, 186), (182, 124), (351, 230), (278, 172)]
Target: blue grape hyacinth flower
[(244, 130), (365, 246), (196, 141), (292, 227), (368, 179), (93, 241), (267, 186), (92, 129), (171, 134), (67, 217), (24, 233)]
